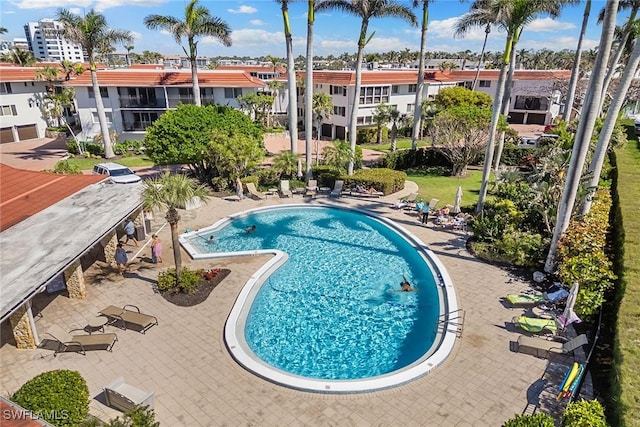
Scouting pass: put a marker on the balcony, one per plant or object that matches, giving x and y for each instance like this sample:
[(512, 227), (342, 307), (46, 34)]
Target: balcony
[(142, 103), (175, 100), (136, 125)]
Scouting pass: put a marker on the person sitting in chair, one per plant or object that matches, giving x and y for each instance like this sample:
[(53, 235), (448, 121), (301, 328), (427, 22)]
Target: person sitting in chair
[(363, 190)]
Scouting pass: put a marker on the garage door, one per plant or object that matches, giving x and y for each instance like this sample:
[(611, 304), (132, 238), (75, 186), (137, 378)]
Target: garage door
[(27, 132), (536, 119), (6, 135)]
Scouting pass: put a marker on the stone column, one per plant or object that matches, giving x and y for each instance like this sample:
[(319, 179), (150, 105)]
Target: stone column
[(75, 281), (110, 242), (23, 332)]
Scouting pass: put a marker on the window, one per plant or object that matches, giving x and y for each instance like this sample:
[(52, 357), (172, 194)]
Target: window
[(337, 90), (394, 89), (232, 92), (366, 120), (409, 108), (5, 87), (374, 95), (8, 110), (339, 111), (104, 92), (531, 103), (94, 115), (485, 83), (412, 88)]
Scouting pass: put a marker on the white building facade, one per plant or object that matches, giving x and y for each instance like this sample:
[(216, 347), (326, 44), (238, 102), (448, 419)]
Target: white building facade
[(47, 43)]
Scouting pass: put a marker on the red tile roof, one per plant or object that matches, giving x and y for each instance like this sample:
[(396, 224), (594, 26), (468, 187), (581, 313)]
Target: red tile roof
[(348, 78), (150, 78), (518, 75), (25, 193), (250, 68), (15, 416)]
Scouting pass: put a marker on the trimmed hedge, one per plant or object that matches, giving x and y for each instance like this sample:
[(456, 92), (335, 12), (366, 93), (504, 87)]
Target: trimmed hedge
[(60, 397), (386, 180), (407, 159), (535, 420)]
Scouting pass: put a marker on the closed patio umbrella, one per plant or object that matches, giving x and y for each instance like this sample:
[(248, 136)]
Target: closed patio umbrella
[(569, 316), (299, 168), (456, 205)]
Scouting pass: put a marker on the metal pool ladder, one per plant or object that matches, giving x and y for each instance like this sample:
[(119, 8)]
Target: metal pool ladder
[(452, 321)]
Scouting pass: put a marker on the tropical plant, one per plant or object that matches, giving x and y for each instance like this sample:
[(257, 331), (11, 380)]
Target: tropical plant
[(338, 156), (24, 58), (381, 116), (138, 416), (60, 397), (286, 163), (365, 10), (93, 34), (417, 114), (233, 154), (395, 117), (49, 74), (459, 96), (583, 134), (197, 22), (584, 413), (3, 30), (55, 103), (276, 86), (171, 192), (69, 68), (308, 91), (322, 109), (535, 420), (129, 48)]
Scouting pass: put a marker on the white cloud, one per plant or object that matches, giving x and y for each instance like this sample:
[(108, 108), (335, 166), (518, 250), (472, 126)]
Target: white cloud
[(76, 10), (256, 22), (338, 44), (548, 25), (385, 44), (136, 35), (557, 43), (9, 12), (254, 37), (445, 29), (243, 9), (102, 5), (41, 4)]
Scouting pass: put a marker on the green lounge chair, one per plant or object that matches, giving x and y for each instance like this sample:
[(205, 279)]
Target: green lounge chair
[(536, 325), (525, 300)]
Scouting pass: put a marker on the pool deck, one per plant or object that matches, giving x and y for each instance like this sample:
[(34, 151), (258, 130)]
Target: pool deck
[(184, 361)]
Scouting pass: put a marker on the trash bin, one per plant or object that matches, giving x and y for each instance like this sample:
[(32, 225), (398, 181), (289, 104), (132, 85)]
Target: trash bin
[(140, 235), (147, 225)]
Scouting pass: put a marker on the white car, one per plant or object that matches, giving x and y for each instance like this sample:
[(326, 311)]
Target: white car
[(118, 174)]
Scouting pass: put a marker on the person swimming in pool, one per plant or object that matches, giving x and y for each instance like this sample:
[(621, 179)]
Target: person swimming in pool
[(406, 286), (250, 230)]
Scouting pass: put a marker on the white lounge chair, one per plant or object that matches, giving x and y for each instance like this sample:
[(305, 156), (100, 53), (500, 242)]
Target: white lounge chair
[(251, 187), (312, 188), (285, 191), (337, 189), (407, 202)]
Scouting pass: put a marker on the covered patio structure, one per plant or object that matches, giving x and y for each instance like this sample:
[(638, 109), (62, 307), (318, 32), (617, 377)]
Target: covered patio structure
[(48, 223)]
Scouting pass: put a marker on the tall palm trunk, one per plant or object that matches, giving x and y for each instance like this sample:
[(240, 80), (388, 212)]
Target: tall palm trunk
[(575, 72), (417, 105), (495, 117), (353, 122), (291, 81), (193, 56), (102, 117), (173, 217), (595, 168), (618, 54), (506, 101), (583, 133), (487, 30), (308, 90)]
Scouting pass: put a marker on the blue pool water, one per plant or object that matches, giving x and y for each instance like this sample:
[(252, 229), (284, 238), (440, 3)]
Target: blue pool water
[(333, 311)]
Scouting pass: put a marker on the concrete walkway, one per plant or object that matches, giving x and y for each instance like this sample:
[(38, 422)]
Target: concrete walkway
[(183, 360)]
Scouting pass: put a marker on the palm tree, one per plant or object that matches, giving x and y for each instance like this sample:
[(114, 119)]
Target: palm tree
[(583, 133), (3, 30), (22, 57), (308, 90), (275, 86), (381, 116), (92, 33), (171, 192), (366, 10), (417, 103), (395, 117), (512, 16), (55, 103), (292, 108), (286, 163), (322, 109), (197, 22), (49, 74), (69, 68), (595, 168), (575, 71), (129, 48)]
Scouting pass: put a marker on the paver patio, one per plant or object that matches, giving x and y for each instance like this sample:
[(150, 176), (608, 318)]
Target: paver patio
[(183, 360)]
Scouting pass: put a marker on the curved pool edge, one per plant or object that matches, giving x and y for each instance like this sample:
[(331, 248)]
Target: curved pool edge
[(241, 353)]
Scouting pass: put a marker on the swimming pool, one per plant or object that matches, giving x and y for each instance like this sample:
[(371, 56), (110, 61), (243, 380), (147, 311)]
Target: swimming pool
[(325, 313)]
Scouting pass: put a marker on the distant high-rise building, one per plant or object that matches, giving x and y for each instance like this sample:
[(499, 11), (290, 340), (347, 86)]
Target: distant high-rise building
[(47, 43)]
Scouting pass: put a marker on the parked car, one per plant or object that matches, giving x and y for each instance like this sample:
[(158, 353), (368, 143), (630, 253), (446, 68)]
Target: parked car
[(118, 174)]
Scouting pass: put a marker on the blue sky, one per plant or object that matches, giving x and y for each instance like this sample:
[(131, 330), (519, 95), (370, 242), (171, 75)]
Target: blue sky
[(258, 30)]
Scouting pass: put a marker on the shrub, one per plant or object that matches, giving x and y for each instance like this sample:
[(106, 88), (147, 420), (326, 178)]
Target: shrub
[(584, 413), (189, 281), (64, 167), (139, 416), (60, 397), (121, 148), (386, 180), (370, 135), (535, 420), (521, 248), (425, 156)]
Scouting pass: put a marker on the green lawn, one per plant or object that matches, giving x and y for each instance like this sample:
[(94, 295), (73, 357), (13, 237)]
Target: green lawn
[(87, 164), (444, 188), (627, 360), (401, 144)]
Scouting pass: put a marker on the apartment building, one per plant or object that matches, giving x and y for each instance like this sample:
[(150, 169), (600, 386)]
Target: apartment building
[(46, 42), (22, 114), (134, 98), (536, 96)]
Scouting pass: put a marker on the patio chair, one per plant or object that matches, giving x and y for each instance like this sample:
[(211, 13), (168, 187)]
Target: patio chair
[(536, 325), (312, 188), (337, 189), (129, 315), (285, 191), (251, 187), (432, 206), (125, 397), (543, 348), (407, 202), (533, 299), (83, 342)]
